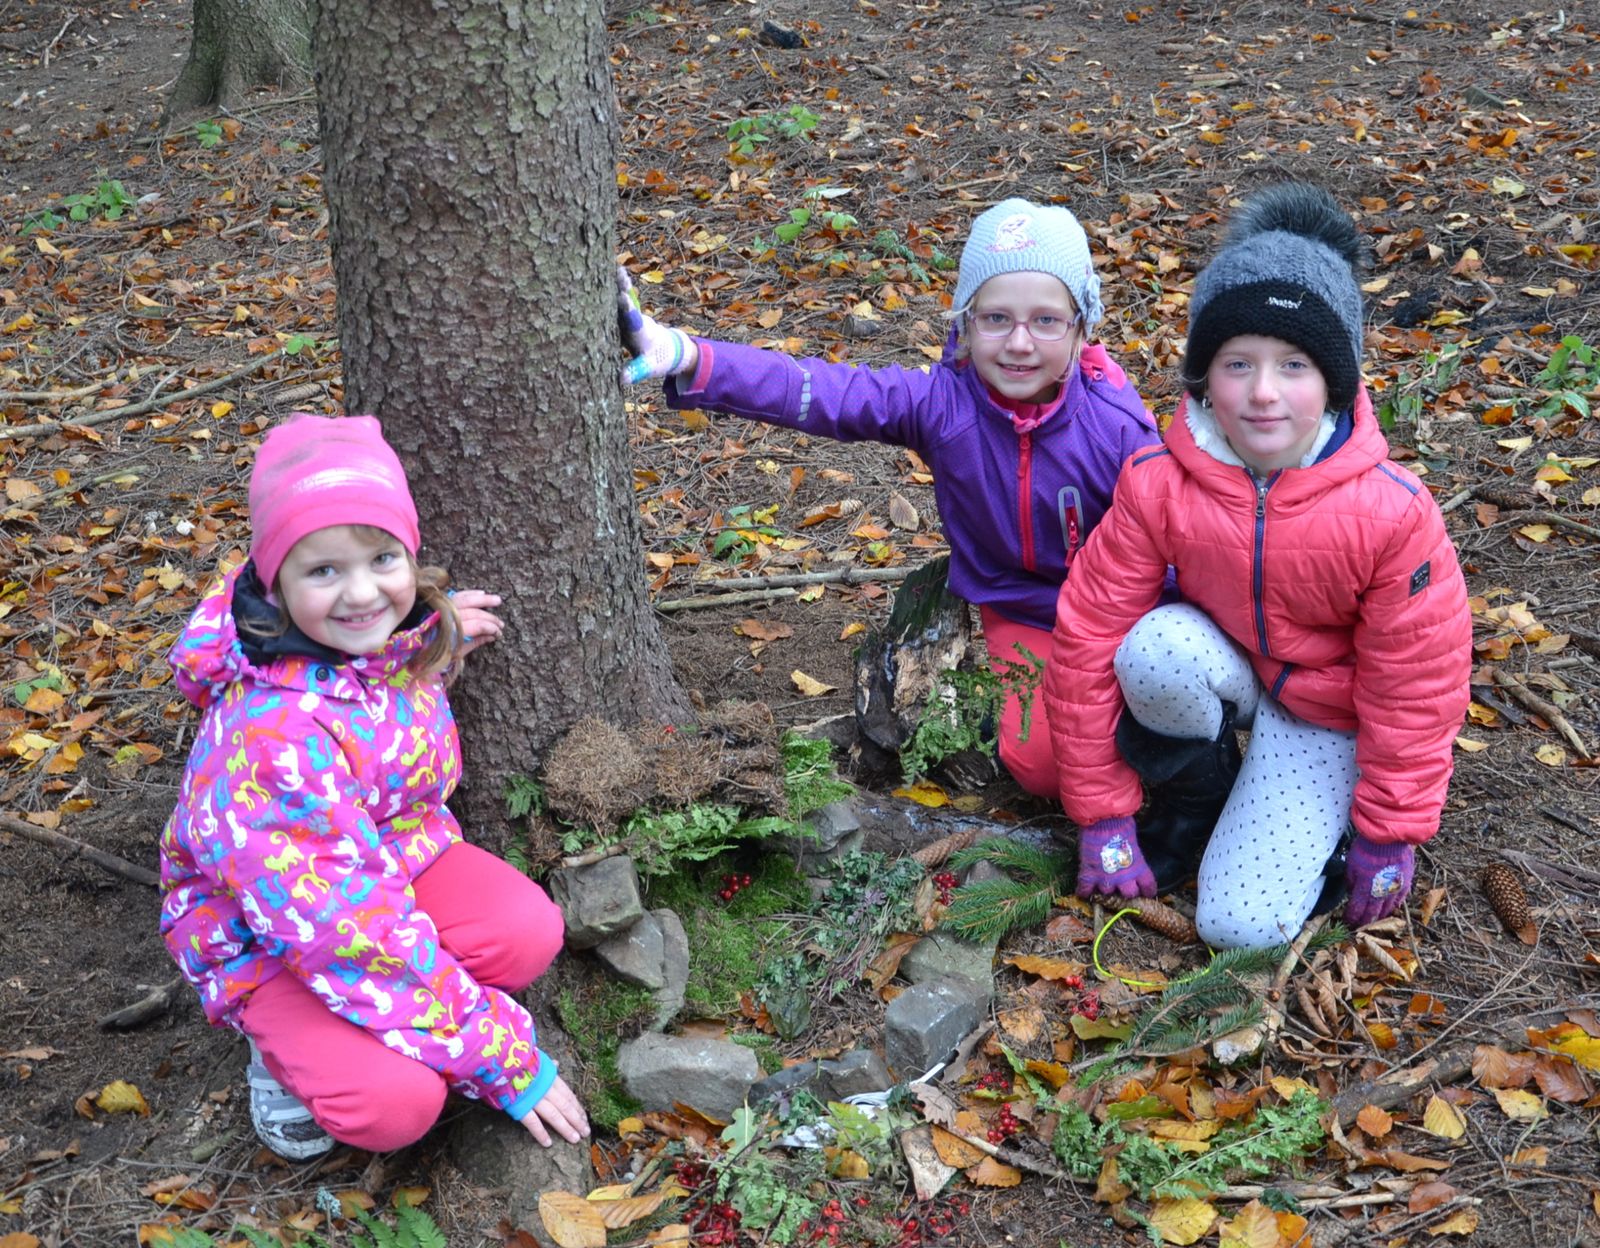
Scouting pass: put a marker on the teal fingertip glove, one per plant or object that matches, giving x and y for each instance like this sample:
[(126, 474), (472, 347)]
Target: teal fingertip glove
[(655, 350)]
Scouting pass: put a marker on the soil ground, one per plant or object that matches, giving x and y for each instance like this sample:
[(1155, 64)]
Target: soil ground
[(1465, 139)]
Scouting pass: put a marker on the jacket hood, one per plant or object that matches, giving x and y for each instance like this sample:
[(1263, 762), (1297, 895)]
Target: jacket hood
[(211, 653)]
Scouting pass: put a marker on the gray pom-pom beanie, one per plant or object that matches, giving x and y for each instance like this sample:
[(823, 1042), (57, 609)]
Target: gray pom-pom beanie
[(1016, 236), (1287, 270)]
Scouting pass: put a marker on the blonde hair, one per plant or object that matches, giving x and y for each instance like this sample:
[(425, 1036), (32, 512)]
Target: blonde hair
[(440, 657)]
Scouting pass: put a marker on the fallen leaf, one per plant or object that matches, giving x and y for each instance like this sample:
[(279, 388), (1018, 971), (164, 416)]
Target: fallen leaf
[(1182, 1221), (846, 1163), (1560, 1080), (1046, 968), (1374, 1121), (954, 1151), (1086, 1028), (1536, 532), (1255, 1226), (851, 629), (924, 793), (1428, 1196), (1409, 1163), (1443, 1119), (1461, 1223), (1067, 929), (1537, 1157), (572, 1221), (617, 1214), (121, 1097), (1582, 1048), (675, 1233), (809, 685), (1520, 1106), (1053, 1073), (1493, 1067), (762, 631), (1022, 1024), (1110, 1189), (1551, 755), (902, 514), (992, 1173)]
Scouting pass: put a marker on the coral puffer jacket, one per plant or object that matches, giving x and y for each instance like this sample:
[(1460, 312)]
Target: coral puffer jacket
[(1338, 581), (315, 793)]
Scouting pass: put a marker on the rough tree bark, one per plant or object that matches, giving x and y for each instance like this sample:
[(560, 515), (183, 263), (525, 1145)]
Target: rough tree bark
[(471, 182), (239, 44)]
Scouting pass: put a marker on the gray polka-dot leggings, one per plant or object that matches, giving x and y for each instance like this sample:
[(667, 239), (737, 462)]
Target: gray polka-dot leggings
[(1262, 871)]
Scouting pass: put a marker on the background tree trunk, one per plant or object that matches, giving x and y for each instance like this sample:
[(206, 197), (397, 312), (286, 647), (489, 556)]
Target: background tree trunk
[(471, 182), (239, 44)]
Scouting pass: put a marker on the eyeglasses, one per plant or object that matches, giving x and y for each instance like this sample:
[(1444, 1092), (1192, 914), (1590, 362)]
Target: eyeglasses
[(1000, 324)]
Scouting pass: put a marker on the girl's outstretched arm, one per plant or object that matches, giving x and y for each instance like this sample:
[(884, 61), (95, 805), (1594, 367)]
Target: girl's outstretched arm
[(479, 625), (656, 350)]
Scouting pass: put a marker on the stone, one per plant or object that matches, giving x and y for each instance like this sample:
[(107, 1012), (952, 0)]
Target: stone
[(942, 955), (598, 900), (674, 968), (855, 1072), (636, 955), (807, 1075), (493, 1151), (982, 872), (712, 1076), (809, 858), (924, 1024), (833, 822)]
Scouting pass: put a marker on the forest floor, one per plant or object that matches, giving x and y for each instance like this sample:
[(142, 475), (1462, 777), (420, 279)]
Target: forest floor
[(1465, 143)]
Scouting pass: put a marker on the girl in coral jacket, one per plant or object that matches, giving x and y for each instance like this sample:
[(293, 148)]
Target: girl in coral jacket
[(317, 891), (1024, 422), (1324, 609)]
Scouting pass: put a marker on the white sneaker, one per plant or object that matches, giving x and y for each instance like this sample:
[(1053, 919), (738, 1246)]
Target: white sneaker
[(282, 1123)]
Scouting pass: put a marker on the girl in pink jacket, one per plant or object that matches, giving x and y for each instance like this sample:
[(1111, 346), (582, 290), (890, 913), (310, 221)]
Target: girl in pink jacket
[(1324, 609), (316, 889)]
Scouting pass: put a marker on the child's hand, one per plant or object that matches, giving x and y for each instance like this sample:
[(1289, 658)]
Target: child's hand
[(559, 1109), (1380, 877), (478, 624), (657, 350), (1110, 861)]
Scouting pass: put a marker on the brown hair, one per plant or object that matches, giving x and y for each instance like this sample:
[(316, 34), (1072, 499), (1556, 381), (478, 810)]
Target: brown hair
[(439, 656)]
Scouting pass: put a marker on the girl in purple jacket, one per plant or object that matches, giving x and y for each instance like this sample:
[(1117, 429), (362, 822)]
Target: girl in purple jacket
[(315, 887), (1025, 424)]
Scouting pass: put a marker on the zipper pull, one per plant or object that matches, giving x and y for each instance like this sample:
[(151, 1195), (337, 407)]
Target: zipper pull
[(1261, 499)]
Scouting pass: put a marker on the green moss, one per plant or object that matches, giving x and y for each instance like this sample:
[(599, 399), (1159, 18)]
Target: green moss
[(763, 1047), (598, 1015), (729, 941)]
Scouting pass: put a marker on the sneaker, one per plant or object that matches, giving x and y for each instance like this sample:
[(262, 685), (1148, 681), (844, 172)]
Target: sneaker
[(282, 1123)]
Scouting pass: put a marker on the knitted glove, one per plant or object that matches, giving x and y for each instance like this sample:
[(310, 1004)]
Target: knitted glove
[(657, 350), (1380, 878), (1109, 860)]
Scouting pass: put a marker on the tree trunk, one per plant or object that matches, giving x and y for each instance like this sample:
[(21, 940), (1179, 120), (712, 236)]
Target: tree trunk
[(471, 182), (239, 44)]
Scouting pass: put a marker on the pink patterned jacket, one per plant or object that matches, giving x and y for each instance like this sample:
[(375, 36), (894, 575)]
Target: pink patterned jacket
[(315, 793)]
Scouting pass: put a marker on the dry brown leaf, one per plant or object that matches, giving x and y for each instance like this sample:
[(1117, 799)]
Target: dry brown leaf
[(1494, 1068), (1068, 929), (1255, 1226), (761, 630), (1463, 1222), (1443, 1119), (1110, 1189), (1410, 1163), (1536, 1157), (954, 1151), (22, 1239), (616, 1214), (1046, 968), (886, 965), (1428, 1196), (1561, 1080), (1182, 1221), (902, 514), (1374, 1121), (572, 1221), (992, 1173), (677, 1233), (1022, 1024)]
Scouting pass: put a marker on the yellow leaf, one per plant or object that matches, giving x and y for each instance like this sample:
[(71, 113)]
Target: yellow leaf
[(1507, 186), (1471, 746), (1463, 1222), (625, 1212), (1045, 968), (1580, 1047), (992, 1173), (1176, 1129), (809, 685), (1053, 1073), (1520, 1106), (851, 629), (954, 1151), (1551, 755), (121, 1097), (45, 248), (1536, 532), (19, 1239), (1450, 316), (769, 318), (1287, 1087), (1515, 444), (572, 1221), (1023, 1023), (677, 1233), (846, 1163), (1375, 285), (1255, 1226), (655, 277), (44, 701), (1182, 1221), (925, 793), (1552, 472), (630, 1126), (219, 410), (1538, 1156), (1443, 1119)]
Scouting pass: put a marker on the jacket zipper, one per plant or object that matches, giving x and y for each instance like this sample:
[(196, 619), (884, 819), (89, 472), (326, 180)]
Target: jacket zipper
[(1025, 497), (1258, 563), (1069, 503)]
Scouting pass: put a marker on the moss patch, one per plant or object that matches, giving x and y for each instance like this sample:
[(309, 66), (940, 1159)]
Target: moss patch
[(598, 1014)]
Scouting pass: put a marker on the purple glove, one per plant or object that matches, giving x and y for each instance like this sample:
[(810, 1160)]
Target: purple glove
[(1380, 878), (1109, 860), (657, 350)]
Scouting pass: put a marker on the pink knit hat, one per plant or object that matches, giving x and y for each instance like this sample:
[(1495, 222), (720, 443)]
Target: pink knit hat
[(314, 472)]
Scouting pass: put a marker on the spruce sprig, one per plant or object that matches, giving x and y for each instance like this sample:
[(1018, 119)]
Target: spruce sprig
[(988, 909)]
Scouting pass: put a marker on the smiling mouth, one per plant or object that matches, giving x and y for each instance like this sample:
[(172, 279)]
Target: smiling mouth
[(357, 621)]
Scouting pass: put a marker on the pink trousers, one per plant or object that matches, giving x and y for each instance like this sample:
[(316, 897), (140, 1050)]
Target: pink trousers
[(1031, 762), (498, 923)]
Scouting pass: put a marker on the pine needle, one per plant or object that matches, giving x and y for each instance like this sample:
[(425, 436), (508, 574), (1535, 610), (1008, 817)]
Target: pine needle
[(989, 909)]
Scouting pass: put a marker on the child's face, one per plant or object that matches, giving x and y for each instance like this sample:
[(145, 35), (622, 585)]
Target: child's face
[(1268, 398), (347, 588), (1016, 363)]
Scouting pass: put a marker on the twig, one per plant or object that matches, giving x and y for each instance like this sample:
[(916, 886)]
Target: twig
[(51, 46), (701, 601), (1575, 878), (142, 1011), (67, 491), (138, 409), (71, 849), (848, 575), (1530, 701), (1275, 1013), (589, 857), (1455, 500), (51, 396)]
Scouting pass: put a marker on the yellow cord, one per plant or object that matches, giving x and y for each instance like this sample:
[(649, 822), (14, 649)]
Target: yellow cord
[(1132, 983)]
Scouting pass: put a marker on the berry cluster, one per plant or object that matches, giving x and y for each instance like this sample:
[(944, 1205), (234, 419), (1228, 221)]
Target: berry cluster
[(994, 1081), (935, 1224), (1089, 1005), (1004, 1126), (732, 886), (717, 1224), (825, 1227), (945, 882)]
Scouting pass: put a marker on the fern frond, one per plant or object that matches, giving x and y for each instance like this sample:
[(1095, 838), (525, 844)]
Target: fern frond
[(989, 909)]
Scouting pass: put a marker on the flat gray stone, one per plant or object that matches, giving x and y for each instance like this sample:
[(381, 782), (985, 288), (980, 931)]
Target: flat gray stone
[(674, 967), (789, 1080), (834, 822), (713, 1076), (858, 1071), (943, 955), (636, 955), (809, 858), (597, 901), (923, 1024)]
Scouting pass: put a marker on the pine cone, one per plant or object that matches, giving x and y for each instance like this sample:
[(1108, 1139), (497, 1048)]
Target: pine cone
[(1157, 916), (1510, 904)]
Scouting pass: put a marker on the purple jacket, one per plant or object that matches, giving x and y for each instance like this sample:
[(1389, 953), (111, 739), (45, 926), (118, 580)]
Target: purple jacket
[(1016, 507)]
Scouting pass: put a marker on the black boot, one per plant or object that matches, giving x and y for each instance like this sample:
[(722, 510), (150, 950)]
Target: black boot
[(1189, 781), (1335, 885)]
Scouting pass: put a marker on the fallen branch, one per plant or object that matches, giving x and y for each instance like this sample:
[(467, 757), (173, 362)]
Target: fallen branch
[(137, 409), (701, 601), (736, 589), (1577, 879), (589, 857), (1275, 1014), (71, 849), (144, 1010), (67, 491), (1530, 701), (51, 396)]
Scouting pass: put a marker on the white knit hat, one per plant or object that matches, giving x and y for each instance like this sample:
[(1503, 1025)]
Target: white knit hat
[(1016, 236)]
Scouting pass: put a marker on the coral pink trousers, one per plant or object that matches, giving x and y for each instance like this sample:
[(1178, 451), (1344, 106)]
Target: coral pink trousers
[(498, 923), (1033, 761)]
